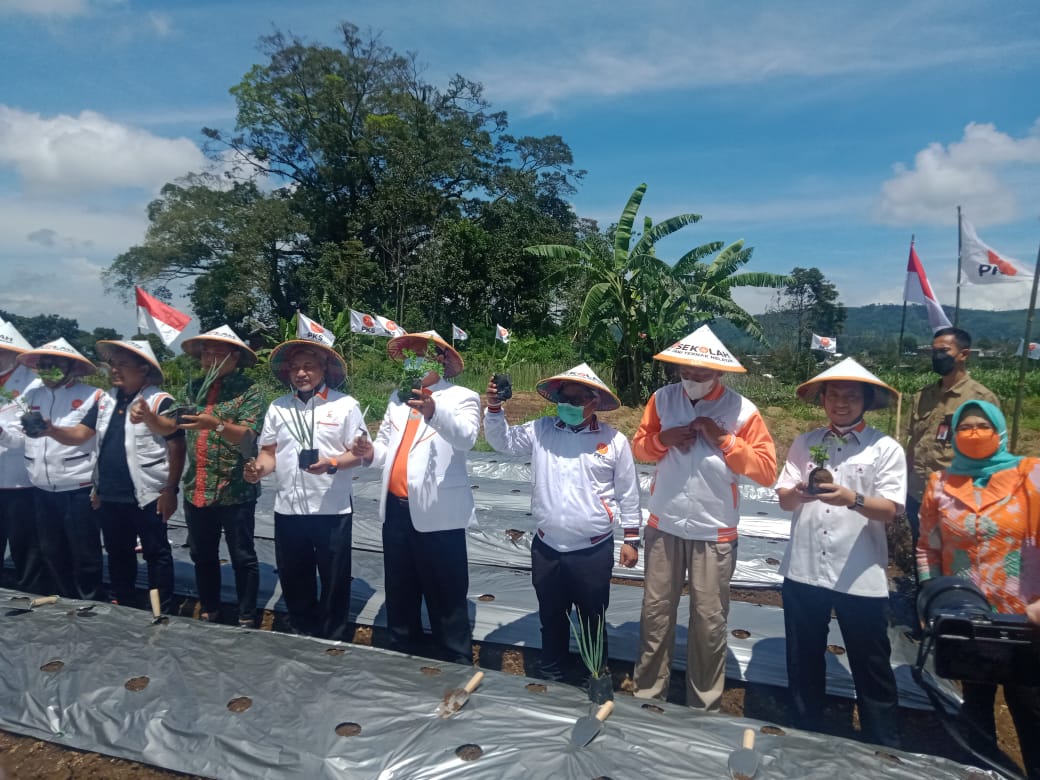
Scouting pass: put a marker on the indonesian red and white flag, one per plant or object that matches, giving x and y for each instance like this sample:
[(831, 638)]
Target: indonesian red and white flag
[(1034, 349), (374, 325), (917, 290), (824, 343), (501, 334), (160, 318), (309, 330), (981, 265), (457, 333)]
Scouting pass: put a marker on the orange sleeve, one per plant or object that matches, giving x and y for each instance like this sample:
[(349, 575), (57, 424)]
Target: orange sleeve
[(929, 539), (751, 452), (646, 444)]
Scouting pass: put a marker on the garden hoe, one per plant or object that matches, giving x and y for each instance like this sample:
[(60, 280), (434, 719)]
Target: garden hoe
[(457, 697), (743, 763), (23, 604), (586, 729)]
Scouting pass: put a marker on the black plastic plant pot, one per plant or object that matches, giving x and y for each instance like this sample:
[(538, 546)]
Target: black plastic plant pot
[(33, 424), (819, 476), (601, 689), (178, 413), (504, 386), (308, 458), (405, 394)]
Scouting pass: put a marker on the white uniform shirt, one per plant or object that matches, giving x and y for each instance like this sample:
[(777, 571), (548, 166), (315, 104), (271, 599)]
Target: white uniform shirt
[(13, 473), (336, 420), (831, 546), (584, 481)]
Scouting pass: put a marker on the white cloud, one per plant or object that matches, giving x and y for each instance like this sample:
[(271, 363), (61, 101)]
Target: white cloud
[(971, 173), (89, 152), (48, 8), (161, 24)]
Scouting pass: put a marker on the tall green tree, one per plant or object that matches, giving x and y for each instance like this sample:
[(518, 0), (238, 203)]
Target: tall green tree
[(639, 303), (808, 303)]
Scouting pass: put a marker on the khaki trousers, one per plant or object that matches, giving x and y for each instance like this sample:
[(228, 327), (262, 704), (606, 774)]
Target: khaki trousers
[(707, 567)]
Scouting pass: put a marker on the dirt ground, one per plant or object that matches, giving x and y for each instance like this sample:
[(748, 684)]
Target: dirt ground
[(29, 758)]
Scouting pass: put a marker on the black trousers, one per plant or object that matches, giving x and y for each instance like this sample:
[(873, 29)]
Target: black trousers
[(864, 626), (428, 566), (236, 522), (18, 528), (70, 541), (913, 517), (561, 579), (308, 548), (1024, 703), (121, 525)]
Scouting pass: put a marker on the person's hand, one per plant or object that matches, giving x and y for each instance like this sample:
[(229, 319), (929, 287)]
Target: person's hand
[(140, 413), (710, 430), (491, 394), (423, 403), (629, 556), (362, 448), (322, 466), (681, 437), (1033, 611), (200, 422), (835, 495), (801, 490), (95, 501), (251, 472), (166, 504)]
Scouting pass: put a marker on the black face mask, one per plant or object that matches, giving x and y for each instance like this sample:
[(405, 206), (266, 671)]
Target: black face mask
[(943, 362)]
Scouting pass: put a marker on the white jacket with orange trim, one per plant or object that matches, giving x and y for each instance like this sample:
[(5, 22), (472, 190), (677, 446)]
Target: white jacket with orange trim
[(60, 467), (694, 494), (582, 480)]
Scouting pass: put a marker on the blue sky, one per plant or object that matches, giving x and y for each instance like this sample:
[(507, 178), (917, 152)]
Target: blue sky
[(824, 134)]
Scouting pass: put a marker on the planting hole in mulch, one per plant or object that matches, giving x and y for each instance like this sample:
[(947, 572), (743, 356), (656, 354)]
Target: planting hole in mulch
[(741, 633), (430, 671), (335, 650), (888, 758), (474, 487), (224, 561), (485, 597), (53, 666), (514, 534), (536, 687), (136, 684), (240, 704), (515, 490), (653, 708), (348, 729), (836, 649), (469, 752), (773, 561), (775, 731)]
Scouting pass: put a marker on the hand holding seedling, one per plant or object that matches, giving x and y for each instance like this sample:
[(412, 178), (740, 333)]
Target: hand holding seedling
[(710, 430), (422, 403), (362, 448), (681, 437), (491, 394)]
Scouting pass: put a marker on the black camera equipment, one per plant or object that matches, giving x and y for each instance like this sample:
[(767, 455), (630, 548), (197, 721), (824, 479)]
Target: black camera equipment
[(971, 642)]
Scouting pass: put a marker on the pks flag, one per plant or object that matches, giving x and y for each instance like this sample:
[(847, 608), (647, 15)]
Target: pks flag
[(161, 319), (309, 330), (1034, 349), (501, 334), (917, 290), (374, 325), (981, 265), (824, 343), (457, 333)]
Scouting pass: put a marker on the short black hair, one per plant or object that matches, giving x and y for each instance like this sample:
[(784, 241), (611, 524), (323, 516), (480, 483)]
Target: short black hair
[(961, 336)]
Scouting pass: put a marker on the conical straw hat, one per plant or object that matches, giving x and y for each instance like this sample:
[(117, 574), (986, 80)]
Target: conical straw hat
[(335, 367), (58, 348), (583, 375), (11, 339), (193, 346), (137, 347), (848, 370), (703, 349)]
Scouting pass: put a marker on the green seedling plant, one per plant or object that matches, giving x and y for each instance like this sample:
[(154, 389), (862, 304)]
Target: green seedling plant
[(820, 475), (10, 398), (412, 374), (590, 642), (50, 374), (196, 399), (301, 427)]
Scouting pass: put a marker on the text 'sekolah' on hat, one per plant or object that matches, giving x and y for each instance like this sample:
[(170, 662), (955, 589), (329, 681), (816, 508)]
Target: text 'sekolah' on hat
[(419, 343), (58, 348), (701, 349), (335, 365), (582, 375), (224, 335), (139, 348), (12, 340), (848, 370)]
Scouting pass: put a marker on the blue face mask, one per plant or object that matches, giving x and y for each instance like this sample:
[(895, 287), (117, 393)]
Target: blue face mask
[(570, 414), (415, 362)]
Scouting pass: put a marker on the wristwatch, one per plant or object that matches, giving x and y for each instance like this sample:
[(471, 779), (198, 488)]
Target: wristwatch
[(220, 427), (858, 502), (332, 469)]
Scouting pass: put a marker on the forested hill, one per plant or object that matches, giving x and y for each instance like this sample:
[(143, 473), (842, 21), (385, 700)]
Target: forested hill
[(869, 328)]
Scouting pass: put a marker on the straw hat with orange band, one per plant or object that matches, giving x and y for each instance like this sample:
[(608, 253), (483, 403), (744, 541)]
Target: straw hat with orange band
[(223, 335), (583, 375), (59, 348), (878, 394)]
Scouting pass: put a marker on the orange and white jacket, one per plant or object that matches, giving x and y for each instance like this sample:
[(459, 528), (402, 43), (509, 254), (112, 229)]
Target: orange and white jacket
[(694, 494)]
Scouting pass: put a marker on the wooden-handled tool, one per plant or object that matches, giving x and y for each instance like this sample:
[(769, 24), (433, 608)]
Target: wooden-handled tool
[(743, 763), (586, 729), (22, 604), (456, 698)]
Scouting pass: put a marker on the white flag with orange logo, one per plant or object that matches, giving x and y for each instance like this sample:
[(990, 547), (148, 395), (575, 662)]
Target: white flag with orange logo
[(391, 327), (365, 323), (1034, 349), (501, 334), (824, 343), (457, 333), (309, 330), (982, 265)]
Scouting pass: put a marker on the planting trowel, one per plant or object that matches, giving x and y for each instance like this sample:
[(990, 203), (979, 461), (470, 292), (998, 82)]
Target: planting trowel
[(157, 615), (743, 763), (23, 604), (457, 697), (586, 729)]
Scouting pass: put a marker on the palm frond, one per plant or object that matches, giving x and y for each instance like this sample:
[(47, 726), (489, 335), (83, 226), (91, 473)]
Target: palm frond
[(623, 232), (662, 229)]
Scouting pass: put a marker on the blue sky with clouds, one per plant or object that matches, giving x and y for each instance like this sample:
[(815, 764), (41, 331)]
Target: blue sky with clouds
[(824, 134)]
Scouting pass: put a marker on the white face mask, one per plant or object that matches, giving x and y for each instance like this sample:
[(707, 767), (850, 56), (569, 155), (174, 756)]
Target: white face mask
[(697, 390)]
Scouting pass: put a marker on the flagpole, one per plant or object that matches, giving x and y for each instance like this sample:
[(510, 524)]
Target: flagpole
[(1025, 355), (957, 307), (902, 324)]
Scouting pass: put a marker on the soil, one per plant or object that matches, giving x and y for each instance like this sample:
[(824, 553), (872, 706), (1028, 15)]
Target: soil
[(27, 757)]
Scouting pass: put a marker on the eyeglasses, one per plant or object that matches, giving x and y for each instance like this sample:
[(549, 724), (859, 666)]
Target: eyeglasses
[(975, 427)]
